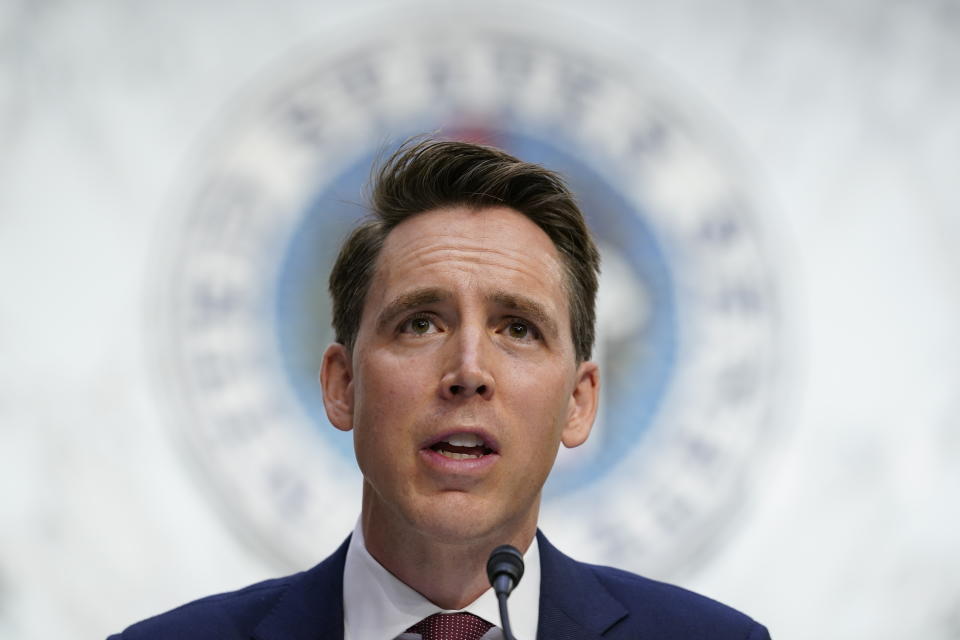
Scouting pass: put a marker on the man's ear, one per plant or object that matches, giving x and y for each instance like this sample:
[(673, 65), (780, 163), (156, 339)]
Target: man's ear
[(336, 380), (583, 405)]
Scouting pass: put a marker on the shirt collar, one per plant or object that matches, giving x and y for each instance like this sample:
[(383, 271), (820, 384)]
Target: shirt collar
[(378, 605)]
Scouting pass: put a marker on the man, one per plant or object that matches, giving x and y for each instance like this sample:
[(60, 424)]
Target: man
[(464, 319)]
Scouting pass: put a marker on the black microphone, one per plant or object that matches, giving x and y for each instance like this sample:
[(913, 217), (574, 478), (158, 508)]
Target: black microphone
[(504, 570)]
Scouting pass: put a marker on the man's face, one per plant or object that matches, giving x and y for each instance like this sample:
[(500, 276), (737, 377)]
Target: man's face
[(463, 379)]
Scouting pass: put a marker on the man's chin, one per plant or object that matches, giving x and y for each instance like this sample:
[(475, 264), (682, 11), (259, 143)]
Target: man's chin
[(458, 520), (451, 517)]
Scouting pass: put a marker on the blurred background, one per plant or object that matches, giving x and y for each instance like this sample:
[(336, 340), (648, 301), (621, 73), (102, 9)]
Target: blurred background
[(774, 187)]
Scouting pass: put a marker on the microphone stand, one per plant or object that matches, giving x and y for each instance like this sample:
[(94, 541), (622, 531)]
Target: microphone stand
[(505, 617), (504, 570)]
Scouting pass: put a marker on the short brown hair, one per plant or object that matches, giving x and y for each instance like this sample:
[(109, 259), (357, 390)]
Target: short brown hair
[(423, 175)]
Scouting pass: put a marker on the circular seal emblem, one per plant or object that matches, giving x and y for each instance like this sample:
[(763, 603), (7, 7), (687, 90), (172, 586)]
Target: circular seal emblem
[(687, 317)]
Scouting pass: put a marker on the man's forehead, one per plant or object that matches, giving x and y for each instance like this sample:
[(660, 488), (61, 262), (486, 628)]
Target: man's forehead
[(492, 236), (498, 252)]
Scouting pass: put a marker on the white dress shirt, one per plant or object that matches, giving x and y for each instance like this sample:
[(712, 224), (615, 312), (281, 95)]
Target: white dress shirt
[(378, 606)]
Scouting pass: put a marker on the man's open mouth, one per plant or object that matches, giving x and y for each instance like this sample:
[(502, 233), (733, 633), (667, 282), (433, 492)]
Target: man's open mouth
[(462, 446)]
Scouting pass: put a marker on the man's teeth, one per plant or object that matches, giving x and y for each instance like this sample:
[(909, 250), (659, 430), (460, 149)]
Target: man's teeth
[(457, 456), (462, 446), (465, 440)]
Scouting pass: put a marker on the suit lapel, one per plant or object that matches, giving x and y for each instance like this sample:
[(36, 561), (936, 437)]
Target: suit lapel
[(312, 606), (573, 603)]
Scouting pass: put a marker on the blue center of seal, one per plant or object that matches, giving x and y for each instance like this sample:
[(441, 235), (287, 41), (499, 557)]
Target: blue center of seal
[(634, 377)]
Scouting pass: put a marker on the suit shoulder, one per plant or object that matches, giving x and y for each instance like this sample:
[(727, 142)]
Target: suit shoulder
[(680, 612), (227, 615)]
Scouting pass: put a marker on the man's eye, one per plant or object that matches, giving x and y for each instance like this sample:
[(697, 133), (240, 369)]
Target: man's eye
[(519, 330), (419, 325)]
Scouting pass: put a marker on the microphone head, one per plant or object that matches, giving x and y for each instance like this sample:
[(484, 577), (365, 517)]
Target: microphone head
[(506, 563)]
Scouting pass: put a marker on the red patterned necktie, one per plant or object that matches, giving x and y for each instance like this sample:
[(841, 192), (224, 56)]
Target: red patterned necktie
[(451, 626)]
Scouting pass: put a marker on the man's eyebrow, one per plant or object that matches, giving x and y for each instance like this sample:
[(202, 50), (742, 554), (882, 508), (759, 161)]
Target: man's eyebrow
[(407, 301), (527, 307)]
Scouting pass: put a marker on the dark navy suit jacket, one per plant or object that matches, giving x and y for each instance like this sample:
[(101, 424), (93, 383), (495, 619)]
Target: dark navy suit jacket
[(577, 601)]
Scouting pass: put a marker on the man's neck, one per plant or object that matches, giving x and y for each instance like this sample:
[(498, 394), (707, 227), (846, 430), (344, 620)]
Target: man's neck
[(451, 574)]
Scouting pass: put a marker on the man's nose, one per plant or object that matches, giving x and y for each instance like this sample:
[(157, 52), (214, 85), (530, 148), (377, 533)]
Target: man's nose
[(468, 370)]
